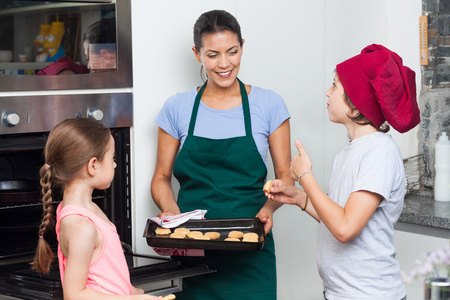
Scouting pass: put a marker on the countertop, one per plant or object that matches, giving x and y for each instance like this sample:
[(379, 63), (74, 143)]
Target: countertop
[(423, 215)]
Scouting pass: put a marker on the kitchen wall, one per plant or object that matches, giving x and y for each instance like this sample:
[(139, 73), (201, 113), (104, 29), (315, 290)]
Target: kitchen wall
[(291, 47), (434, 99)]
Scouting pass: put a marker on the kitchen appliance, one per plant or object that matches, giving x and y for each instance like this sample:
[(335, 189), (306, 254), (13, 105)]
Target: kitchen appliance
[(22, 22), (25, 122)]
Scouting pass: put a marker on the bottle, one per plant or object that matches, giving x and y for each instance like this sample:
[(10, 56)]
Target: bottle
[(442, 165)]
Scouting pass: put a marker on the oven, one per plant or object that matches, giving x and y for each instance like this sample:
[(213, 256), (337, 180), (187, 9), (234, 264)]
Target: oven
[(24, 127)]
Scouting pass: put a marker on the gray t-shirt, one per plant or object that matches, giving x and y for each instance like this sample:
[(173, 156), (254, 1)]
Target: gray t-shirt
[(365, 268)]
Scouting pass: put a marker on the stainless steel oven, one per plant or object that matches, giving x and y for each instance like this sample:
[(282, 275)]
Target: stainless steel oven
[(25, 27), (25, 122)]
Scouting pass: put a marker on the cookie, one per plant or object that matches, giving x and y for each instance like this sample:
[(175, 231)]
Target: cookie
[(267, 186), (251, 236), (178, 235), (169, 297), (183, 230), (201, 237), (163, 231), (235, 234), (194, 234), (213, 235), (232, 240), (251, 240)]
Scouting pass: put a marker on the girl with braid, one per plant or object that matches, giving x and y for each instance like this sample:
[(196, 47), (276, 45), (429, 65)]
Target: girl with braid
[(79, 157)]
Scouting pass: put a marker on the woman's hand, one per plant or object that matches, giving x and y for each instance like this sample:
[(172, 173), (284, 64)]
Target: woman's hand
[(300, 163), (169, 213), (285, 193), (266, 216)]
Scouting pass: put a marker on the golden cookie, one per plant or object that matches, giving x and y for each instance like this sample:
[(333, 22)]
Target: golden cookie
[(183, 230), (213, 235), (163, 231), (169, 297), (251, 240), (267, 186), (235, 234), (251, 235), (201, 237), (194, 234), (178, 235), (232, 240)]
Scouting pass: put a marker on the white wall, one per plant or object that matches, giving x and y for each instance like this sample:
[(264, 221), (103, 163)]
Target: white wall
[(291, 47)]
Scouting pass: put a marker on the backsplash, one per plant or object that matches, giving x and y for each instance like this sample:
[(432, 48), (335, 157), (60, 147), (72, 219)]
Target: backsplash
[(434, 98)]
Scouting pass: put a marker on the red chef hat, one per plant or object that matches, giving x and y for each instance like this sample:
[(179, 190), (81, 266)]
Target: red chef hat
[(63, 63), (381, 88)]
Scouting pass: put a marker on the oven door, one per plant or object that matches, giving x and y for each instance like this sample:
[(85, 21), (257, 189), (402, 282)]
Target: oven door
[(154, 274), (158, 275)]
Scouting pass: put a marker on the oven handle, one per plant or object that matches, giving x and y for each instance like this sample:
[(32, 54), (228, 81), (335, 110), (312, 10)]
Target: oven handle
[(126, 247)]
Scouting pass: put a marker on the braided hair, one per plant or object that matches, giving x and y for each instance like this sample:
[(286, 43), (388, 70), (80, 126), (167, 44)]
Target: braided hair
[(70, 146)]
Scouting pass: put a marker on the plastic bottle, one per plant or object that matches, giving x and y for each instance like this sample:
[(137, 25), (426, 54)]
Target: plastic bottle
[(442, 165)]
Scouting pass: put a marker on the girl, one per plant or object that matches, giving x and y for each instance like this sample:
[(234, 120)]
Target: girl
[(356, 255), (216, 139), (79, 157)]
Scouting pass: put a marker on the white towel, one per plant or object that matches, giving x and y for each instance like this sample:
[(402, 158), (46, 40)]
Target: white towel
[(176, 220)]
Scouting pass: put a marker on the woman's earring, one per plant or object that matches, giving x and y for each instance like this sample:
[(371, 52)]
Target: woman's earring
[(203, 75)]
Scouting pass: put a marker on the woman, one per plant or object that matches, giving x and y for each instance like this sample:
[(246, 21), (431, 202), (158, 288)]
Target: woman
[(216, 138), (356, 253)]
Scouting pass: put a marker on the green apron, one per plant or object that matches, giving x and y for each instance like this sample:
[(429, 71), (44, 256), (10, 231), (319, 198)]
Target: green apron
[(226, 177)]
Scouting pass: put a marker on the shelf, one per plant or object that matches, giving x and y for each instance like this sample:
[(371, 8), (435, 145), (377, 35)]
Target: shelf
[(24, 65)]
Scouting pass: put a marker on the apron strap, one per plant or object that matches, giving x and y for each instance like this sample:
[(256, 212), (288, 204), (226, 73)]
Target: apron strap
[(245, 108), (195, 110)]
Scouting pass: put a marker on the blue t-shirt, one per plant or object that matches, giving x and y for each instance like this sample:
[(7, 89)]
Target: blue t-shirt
[(267, 112)]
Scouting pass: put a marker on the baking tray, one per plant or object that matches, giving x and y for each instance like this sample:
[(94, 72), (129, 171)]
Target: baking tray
[(223, 226)]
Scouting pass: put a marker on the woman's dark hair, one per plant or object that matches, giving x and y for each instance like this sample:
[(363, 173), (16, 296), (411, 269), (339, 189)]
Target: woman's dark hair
[(101, 32), (70, 146), (215, 21)]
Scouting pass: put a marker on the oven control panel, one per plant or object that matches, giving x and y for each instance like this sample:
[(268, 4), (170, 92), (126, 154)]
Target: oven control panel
[(11, 119), (27, 114)]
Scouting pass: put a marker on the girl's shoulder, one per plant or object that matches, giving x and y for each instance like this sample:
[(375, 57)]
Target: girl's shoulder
[(76, 229), (379, 146), (78, 223), (384, 142)]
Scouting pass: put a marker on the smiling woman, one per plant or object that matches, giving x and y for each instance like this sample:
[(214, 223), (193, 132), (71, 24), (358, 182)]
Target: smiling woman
[(215, 138)]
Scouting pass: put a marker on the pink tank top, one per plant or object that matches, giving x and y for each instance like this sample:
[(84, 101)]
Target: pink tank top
[(109, 273)]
